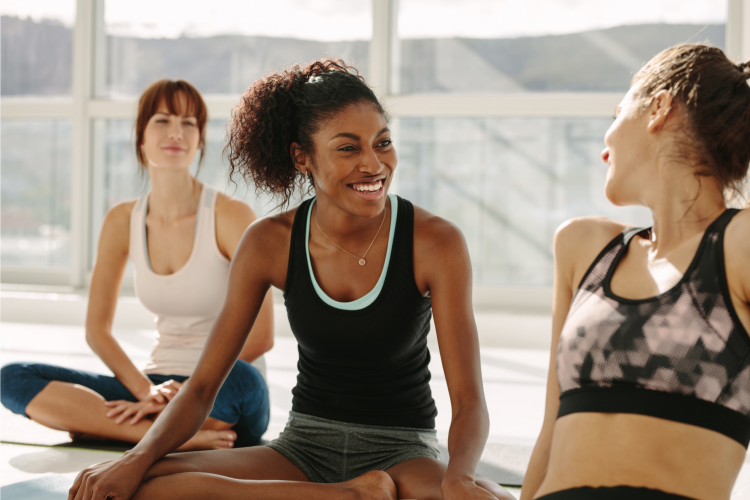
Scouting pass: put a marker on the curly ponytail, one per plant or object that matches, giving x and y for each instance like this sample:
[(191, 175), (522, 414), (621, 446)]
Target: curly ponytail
[(286, 107)]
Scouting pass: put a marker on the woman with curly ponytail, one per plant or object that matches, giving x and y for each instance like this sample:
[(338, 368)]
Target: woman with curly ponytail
[(362, 271)]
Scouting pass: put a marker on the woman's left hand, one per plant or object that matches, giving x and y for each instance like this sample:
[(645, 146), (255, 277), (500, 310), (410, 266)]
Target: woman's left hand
[(465, 488), (122, 410)]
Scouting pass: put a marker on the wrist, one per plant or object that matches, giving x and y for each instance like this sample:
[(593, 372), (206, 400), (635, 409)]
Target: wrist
[(451, 480), (144, 392), (141, 459)]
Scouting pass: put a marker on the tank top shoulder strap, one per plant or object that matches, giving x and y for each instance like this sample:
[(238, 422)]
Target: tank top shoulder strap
[(715, 232), (205, 220), (205, 225), (136, 246), (403, 244), (610, 254), (297, 257), (708, 273)]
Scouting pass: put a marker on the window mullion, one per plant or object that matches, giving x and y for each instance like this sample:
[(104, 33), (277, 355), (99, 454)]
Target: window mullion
[(80, 167), (381, 43)]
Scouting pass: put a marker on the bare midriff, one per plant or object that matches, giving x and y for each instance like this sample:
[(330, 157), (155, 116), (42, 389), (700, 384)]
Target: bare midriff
[(598, 449)]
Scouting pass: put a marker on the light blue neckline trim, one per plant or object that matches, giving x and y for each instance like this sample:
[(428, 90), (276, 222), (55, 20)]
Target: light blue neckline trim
[(368, 299), (145, 234)]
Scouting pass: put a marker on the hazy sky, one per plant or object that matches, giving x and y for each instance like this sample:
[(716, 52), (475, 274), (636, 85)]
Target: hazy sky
[(351, 19)]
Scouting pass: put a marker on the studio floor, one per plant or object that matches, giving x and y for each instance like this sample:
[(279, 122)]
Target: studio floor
[(514, 381)]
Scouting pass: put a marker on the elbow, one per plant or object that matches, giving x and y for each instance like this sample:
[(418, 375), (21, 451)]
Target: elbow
[(91, 338), (262, 345), (267, 345)]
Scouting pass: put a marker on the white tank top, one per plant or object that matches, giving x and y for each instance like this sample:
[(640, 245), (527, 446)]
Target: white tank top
[(187, 302)]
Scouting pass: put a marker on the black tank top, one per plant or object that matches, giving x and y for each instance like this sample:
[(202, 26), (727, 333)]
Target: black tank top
[(366, 366), (682, 355)]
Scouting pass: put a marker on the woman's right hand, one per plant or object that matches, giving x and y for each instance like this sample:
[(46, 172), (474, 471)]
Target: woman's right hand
[(162, 393), (123, 410), (114, 480)]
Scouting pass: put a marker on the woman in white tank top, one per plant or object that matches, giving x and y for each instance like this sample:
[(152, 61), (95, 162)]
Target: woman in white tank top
[(180, 238)]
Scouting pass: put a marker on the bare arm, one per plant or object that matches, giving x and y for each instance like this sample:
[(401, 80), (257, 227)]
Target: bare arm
[(444, 268), (111, 259), (232, 218), (251, 274), (572, 260), (737, 255)]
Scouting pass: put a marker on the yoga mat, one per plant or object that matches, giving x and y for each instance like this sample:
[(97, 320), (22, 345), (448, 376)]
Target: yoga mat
[(17, 429), (46, 487), (503, 463)]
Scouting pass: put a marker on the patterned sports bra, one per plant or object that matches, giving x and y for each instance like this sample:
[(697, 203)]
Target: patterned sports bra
[(682, 356)]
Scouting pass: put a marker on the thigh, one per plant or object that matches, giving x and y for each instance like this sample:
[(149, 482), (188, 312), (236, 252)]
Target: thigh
[(419, 478), (422, 478), (258, 463), (28, 379)]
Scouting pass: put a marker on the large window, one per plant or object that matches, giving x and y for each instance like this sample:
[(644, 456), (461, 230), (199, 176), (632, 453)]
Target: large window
[(507, 183), (223, 46), (37, 47), (499, 106), (536, 81), (541, 45), (35, 193)]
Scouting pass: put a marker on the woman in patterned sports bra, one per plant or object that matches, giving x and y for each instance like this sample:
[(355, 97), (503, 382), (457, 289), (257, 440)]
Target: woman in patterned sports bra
[(648, 394)]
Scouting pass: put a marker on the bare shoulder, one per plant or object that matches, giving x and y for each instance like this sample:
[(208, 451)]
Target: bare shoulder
[(434, 232), (115, 233), (594, 232), (120, 213), (118, 218), (265, 246), (270, 235), (578, 241), (737, 236), (737, 252), (232, 210)]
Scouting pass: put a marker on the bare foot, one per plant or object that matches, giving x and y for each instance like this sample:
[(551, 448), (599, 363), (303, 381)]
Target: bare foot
[(373, 485), (210, 440)]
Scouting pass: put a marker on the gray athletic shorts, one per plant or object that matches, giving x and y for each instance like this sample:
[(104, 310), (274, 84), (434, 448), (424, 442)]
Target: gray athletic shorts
[(328, 451)]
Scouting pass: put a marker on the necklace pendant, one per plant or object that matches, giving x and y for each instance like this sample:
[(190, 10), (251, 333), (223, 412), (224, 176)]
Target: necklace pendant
[(362, 262)]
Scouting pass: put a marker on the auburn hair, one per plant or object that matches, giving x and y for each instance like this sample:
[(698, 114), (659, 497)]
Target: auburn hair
[(169, 92)]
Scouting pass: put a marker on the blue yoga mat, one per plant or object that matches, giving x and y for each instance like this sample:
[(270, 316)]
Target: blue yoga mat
[(46, 487)]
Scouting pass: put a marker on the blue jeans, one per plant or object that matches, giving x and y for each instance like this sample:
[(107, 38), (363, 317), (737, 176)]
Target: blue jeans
[(242, 400)]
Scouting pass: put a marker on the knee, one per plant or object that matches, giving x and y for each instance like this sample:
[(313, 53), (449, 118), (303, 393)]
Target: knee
[(246, 379), (10, 374), (11, 377), (245, 371)]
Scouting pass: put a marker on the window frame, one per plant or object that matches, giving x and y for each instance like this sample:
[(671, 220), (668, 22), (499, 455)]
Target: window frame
[(82, 107)]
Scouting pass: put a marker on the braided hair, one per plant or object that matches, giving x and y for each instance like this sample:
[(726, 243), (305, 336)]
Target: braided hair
[(715, 95)]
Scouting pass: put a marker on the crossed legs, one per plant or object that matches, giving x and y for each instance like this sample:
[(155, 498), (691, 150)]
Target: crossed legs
[(264, 474)]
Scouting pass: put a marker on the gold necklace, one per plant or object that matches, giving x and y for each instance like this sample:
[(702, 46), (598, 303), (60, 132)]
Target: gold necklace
[(362, 260)]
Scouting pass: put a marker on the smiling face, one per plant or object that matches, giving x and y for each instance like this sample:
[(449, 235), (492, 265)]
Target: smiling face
[(353, 160), (171, 140), (629, 153)]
